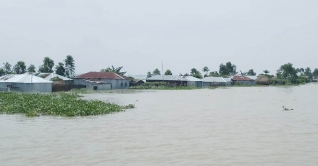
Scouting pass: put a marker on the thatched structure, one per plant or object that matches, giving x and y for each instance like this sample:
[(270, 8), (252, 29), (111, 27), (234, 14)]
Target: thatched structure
[(263, 80)]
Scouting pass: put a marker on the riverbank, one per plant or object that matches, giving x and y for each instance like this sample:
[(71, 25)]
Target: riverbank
[(56, 104)]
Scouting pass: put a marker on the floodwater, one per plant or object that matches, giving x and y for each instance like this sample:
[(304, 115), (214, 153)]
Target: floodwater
[(227, 126)]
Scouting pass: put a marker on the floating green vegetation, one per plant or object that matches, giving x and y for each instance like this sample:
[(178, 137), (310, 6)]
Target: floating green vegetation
[(59, 104)]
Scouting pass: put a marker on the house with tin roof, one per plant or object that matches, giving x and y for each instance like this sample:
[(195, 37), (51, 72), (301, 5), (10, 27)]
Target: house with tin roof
[(25, 83), (216, 81), (114, 80), (176, 80), (243, 80), (170, 79)]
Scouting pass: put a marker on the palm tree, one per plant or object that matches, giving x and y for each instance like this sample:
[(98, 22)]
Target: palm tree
[(69, 66)]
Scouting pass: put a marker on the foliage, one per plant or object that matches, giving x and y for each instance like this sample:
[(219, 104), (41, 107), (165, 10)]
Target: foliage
[(287, 71), (61, 104), (308, 73), (214, 74), (19, 68), (56, 79), (315, 72), (7, 68), (149, 74), (115, 70), (2, 72), (266, 72), (69, 66), (205, 70), (195, 73), (227, 69), (60, 70), (168, 72), (31, 69), (156, 72), (251, 73), (47, 65)]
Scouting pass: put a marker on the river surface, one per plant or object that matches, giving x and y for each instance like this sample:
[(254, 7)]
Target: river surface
[(244, 126)]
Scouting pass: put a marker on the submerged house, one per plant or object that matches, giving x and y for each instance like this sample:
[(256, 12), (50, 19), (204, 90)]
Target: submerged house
[(169, 79), (110, 79), (176, 80), (216, 81), (25, 83), (193, 81), (243, 80)]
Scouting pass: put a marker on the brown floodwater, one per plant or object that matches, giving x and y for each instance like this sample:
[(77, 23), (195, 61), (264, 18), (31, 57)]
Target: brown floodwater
[(227, 126)]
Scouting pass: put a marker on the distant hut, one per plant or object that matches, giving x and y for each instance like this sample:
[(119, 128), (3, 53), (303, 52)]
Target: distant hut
[(263, 80)]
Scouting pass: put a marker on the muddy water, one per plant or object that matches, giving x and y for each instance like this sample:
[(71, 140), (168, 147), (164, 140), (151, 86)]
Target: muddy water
[(230, 126)]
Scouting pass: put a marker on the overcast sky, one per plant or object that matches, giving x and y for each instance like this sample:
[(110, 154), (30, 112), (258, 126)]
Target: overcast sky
[(140, 34)]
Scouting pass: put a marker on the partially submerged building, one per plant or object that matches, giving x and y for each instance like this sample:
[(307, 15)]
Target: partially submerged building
[(216, 81), (169, 79), (243, 80), (25, 83), (113, 80), (192, 81), (176, 80)]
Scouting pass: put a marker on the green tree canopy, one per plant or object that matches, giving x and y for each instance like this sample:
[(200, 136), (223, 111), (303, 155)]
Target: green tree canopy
[(195, 73), (47, 65), (214, 74), (69, 66), (7, 68), (315, 72), (31, 69), (308, 73), (156, 72), (168, 72), (251, 73), (115, 70), (2, 72), (149, 74), (266, 72), (60, 70), (227, 69), (19, 68), (287, 71), (205, 70)]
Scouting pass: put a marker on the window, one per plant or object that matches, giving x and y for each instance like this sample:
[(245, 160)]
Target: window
[(121, 84), (125, 83)]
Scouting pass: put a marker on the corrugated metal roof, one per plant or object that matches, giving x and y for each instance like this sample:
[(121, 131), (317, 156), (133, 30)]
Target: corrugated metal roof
[(241, 78), (191, 78), (107, 75), (166, 78), (23, 78), (214, 79), (48, 76), (252, 77)]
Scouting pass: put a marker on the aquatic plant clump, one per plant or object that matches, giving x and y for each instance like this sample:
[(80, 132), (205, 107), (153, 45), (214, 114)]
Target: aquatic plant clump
[(61, 104)]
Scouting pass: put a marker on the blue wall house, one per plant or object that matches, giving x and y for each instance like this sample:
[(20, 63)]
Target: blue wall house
[(90, 79), (169, 79), (216, 81), (25, 83)]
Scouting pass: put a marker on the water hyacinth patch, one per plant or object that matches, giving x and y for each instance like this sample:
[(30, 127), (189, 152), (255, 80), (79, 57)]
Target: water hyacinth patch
[(60, 104)]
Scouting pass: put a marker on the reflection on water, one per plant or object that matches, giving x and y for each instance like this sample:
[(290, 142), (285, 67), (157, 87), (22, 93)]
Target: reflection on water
[(228, 126)]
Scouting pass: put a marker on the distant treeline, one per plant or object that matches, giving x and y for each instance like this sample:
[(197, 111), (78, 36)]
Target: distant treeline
[(66, 69)]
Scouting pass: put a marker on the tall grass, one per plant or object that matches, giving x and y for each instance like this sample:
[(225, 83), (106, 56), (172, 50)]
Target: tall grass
[(59, 104)]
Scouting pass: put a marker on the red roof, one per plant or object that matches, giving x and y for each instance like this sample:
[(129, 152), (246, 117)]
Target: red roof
[(241, 78), (96, 75)]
